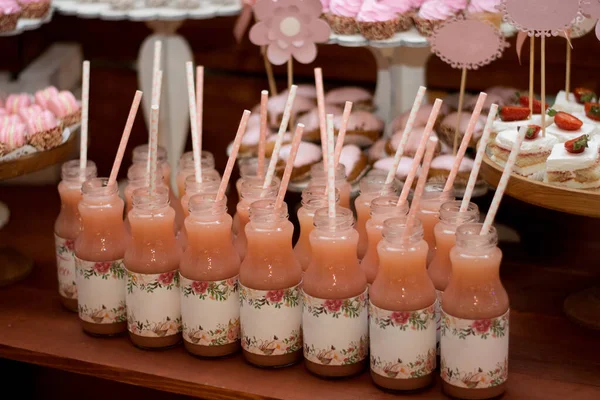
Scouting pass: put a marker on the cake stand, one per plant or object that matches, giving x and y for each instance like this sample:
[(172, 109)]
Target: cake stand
[(28, 24), (15, 266)]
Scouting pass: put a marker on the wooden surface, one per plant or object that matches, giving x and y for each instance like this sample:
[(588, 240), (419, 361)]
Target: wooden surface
[(551, 358)]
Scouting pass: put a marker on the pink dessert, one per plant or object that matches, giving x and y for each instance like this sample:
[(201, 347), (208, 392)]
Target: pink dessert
[(307, 91), (42, 97), (312, 126), (360, 98), (414, 139), (434, 12), (308, 155), (26, 113), (276, 107), (385, 164), (486, 10), (66, 108), (10, 13), (342, 16), (354, 160), (363, 128), (34, 8), (44, 131), (489, 100), (325, 5), (15, 102), (250, 139), (448, 126), (377, 151), (3, 112), (441, 166), (509, 95), (12, 135), (399, 123), (381, 19)]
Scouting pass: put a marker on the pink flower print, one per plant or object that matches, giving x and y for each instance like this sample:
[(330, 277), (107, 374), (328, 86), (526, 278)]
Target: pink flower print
[(482, 325), (199, 286), (400, 318), (333, 305), (101, 267), (70, 244), (275, 296), (166, 278), (232, 334)]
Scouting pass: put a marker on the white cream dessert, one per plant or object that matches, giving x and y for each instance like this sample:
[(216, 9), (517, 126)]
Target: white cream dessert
[(385, 164), (354, 160), (308, 155), (536, 119), (574, 170), (588, 121), (567, 104), (563, 135)]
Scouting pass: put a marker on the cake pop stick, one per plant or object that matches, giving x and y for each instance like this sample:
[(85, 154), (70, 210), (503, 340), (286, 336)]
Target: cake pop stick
[(264, 100), (85, 104), (465, 142), (531, 72), (200, 105), (420, 151), (194, 121), (407, 129), (568, 69), (543, 94), (342, 132), (124, 138), (510, 163), (285, 180), (232, 157), (330, 168), (321, 109), (479, 157)]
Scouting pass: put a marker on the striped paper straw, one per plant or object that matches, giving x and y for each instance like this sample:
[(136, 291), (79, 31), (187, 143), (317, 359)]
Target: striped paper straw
[(330, 168), (264, 101), (420, 151), (234, 152), (157, 87), (405, 135), (85, 106), (465, 142), (321, 109), (189, 69), (285, 180), (124, 138), (199, 106), (510, 163), (155, 68), (154, 113), (342, 133), (479, 158)]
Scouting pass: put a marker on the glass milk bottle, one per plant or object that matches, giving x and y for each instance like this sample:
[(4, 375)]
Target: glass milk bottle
[(313, 198), (371, 186), (67, 227), (99, 251), (335, 316), (152, 260), (248, 169), (209, 185), (382, 208), (475, 310), (209, 269), (270, 289), (402, 318), (251, 191), (319, 177), (186, 168), (429, 212), (137, 177)]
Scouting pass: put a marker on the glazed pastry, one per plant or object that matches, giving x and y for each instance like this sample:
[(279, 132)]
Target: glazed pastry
[(377, 151), (44, 131), (567, 127), (361, 98), (15, 102), (448, 127), (399, 123), (34, 8), (276, 107), (10, 12), (342, 16), (381, 19), (249, 145), (270, 143), (385, 164), (12, 135), (363, 128), (42, 97), (485, 10), (574, 165), (308, 155), (441, 166), (306, 91), (66, 108), (355, 161), (312, 127), (414, 139), (434, 12)]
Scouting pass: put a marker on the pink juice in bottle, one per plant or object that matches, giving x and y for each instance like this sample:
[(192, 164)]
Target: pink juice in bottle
[(186, 168), (382, 208), (209, 185), (99, 250), (475, 318), (152, 262), (270, 289), (209, 269), (137, 177), (402, 317), (335, 315), (248, 168), (319, 177), (67, 227), (429, 212)]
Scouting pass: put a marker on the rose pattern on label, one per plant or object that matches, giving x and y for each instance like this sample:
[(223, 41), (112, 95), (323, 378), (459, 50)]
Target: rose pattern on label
[(402, 342), (210, 311), (462, 343), (101, 291), (438, 319), (271, 320), (335, 330), (153, 306), (65, 264)]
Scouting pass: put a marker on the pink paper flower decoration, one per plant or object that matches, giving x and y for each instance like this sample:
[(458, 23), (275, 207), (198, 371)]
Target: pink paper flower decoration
[(290, 28)]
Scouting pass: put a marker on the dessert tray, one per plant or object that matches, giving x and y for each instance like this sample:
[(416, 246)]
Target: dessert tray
[(106, 12), (572, 201), (29, 24)]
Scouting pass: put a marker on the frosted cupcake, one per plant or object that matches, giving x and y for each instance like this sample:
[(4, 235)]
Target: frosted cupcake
[(66, 108), (15, 102), (42, 97), (378, 20), (10, 12), (12, 135), (34, 8), (342, 16), (44, 131), (485, 10), (433, 13)]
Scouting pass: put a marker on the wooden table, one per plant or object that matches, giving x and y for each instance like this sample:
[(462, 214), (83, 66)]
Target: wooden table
[(551, 358)]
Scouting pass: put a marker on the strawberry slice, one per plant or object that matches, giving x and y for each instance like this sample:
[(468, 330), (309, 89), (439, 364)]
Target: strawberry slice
[(592, 111), (537, 104), (584, 95), (514, 113), (532, 132), (567, 122), (577, 145)]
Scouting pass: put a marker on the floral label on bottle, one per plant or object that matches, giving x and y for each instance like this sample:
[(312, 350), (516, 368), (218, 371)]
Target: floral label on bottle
[(65, 263), (402, 343), (210, 311), (153, 308), (438, 319), (101, 291), (474, 352), (271, 320), (336, 331)]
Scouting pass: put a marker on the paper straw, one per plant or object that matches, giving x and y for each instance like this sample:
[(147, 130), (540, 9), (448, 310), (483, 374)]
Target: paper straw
[(420, 151), (342, 132), (405, 135), (232, 157), (285, 180), (330, 168), (189, 69), (465, 141), (157, 85), (510, 163), (124, 138), (85, 104), (264, 101), (154, 115), (282, 128), (199, 105), (321, 109), (479, 158), (155, 68), (414, 207)]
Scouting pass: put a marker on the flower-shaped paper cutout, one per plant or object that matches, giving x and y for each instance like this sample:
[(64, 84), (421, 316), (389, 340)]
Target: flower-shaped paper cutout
[(290, 28), (541, 17)]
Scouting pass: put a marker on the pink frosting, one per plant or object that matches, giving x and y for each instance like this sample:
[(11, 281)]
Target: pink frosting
[(416, 3), (252, 135), (43, 96), (451, 119), (377, 151), (13, 133), (26, 113), (308, 153), (3, 112), (422, 117), (490, 99), (413, 140), (287, 137), (325, 5), (349, 156), (308, 91), (41, 122), (382, 10), (276, 106), (361, 121), (311, 119), (9, 7), (345, 8), (63, 104), (508, 94), (387, 163), (15, 102), (436, 10), (349, 93), (484, 6), (445, 162)]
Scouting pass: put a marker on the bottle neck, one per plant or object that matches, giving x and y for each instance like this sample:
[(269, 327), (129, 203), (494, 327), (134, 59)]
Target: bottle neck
[(73, 176), (452, 217), (476, 257), (205, 208), (386, 207), (315, 197)]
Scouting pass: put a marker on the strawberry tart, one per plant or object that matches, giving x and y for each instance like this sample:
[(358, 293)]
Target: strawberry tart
[(355, 162), (13, 135), (567, 127), (65, 107), (34, 8), (574, 164), (44, 131), (42, 97), (342, 16), (308, 155), (10, 12), (363, 129), (361, 98)]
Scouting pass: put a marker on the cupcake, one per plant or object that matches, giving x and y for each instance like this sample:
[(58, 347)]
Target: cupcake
[(44, 131), (66, 108), (312, 126), (361, 98), (26, 113), (399, 123), (377, 151), (355, 162), (308, 155), (15, 102), (448, 127), (412, 145), (34, 8), (42, 97), (363, 129), (276, 108), (342, 16), (385, 164), (485, 10), (433, 13), (12, 135), (10, 12), (378, 20)]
